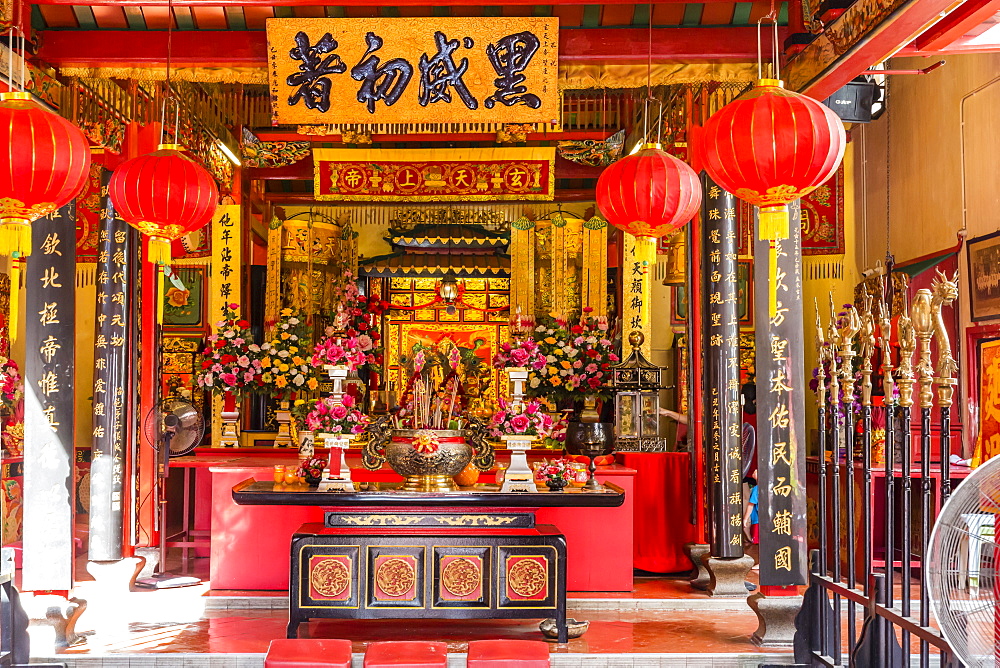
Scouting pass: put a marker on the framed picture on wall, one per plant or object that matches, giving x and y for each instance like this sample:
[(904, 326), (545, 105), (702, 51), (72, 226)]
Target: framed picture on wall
[(988, 365), (984, 276)]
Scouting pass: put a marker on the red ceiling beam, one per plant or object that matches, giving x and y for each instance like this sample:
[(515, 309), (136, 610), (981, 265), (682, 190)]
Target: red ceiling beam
[(285, 135), (954, 26), (313, 3), (193, 48), (882, 41)]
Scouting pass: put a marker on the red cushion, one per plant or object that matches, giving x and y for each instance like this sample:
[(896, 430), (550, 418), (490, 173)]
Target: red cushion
[(406, 654), (308, 653), (508, 654)]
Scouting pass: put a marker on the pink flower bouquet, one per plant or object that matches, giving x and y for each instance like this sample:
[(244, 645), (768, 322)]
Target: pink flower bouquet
[(521, 420), (338, 350), (330, 417), (231, 361)]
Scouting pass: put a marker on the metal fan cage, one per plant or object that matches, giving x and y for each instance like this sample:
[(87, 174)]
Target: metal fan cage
[(193, 428), (962, 568)]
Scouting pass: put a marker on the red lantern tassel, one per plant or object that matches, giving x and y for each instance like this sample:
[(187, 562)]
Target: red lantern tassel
[(773, 222), (159, 251), (15, 293), (15, 238)]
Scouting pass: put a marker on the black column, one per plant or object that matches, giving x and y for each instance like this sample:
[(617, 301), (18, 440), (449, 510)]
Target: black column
[(781, 383), (116, 288), (720, 341), (49, 402)]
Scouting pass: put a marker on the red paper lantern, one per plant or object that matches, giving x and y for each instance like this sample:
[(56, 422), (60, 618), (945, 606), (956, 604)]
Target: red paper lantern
[(770, 147), (649, 194), (46, 162), (164, 195)]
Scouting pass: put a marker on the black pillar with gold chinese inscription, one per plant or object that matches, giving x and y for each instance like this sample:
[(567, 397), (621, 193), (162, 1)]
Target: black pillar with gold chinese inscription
[(720, 339), (113, 337), (781, 381), (49, 403)]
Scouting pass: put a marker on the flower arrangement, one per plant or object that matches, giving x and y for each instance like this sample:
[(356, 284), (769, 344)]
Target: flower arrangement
[(359, 316), (231, 360), (578, 358), (557, 470), (11, 386), (328, 416), (337, 349), (284, 361), (521, 419), (520, 352), (312, 469)]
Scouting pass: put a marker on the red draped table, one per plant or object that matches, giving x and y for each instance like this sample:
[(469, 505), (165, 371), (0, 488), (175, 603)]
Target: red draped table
[(662, 510)]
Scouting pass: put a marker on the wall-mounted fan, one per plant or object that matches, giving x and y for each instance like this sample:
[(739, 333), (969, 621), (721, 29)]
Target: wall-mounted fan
[(175, 427), (962, 568)]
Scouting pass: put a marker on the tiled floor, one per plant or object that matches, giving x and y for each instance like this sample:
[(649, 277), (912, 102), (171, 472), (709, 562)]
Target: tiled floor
[(199, 621)]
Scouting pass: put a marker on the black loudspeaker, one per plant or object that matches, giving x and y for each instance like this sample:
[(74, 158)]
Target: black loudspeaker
[(860, 101)]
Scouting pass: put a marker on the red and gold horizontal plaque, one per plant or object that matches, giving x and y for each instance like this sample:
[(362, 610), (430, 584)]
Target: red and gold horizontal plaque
[(434, 175), (414, 71), (461, 578), (330, 578), (527, 578)]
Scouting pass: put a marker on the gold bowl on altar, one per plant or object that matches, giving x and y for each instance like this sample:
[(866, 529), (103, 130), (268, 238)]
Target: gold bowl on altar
[(431, 469)]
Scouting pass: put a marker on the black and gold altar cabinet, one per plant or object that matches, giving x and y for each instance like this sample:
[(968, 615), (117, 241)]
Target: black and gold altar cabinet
[(387, 553)]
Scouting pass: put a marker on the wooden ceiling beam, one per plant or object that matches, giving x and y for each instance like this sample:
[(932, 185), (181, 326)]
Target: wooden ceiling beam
[(817, 72), (956, 25), (238, 48)]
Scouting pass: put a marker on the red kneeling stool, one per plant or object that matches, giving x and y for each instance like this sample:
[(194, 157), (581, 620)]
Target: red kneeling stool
[(406, 654), (307, 653), (508, 654)]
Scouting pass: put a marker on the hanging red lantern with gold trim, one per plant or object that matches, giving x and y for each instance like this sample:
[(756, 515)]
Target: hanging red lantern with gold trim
[(772, 146), (649, 194), (165, 195), (46, 162)]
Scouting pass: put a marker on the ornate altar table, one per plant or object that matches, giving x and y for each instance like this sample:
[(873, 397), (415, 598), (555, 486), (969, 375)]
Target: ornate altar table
[(384, 553)]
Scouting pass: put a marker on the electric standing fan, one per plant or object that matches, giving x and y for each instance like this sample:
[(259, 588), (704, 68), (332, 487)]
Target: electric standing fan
[(175, 428), (961, 568), (748, 444)]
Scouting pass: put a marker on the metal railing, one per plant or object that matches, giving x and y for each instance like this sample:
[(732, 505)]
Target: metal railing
[(900, 477)]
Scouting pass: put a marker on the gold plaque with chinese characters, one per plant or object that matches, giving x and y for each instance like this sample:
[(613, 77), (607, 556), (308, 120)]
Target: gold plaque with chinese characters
[(414, 71)]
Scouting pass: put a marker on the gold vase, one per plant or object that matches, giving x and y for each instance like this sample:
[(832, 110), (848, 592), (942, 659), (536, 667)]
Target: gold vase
[(589, 412)]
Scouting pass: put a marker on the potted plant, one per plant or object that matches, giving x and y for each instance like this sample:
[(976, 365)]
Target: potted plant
[(557, 474)]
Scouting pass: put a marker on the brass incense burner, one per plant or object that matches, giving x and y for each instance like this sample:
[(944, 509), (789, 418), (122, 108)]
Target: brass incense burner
[(427, 467)]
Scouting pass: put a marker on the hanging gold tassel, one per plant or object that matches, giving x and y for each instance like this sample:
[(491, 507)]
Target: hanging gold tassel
[(159, 251), (15, 238), (773, 222), (159, 293), (15, 291), (772, 227)]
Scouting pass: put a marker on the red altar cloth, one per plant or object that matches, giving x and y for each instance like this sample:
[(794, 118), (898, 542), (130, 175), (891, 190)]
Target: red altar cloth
[(249, 544), (662, 510)]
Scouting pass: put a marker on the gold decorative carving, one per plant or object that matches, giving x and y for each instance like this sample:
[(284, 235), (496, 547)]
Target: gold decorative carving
[(476, 520), (180, 345), (381, 520), (527, 577), (461, 577), (330, 577), (395, 577)]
